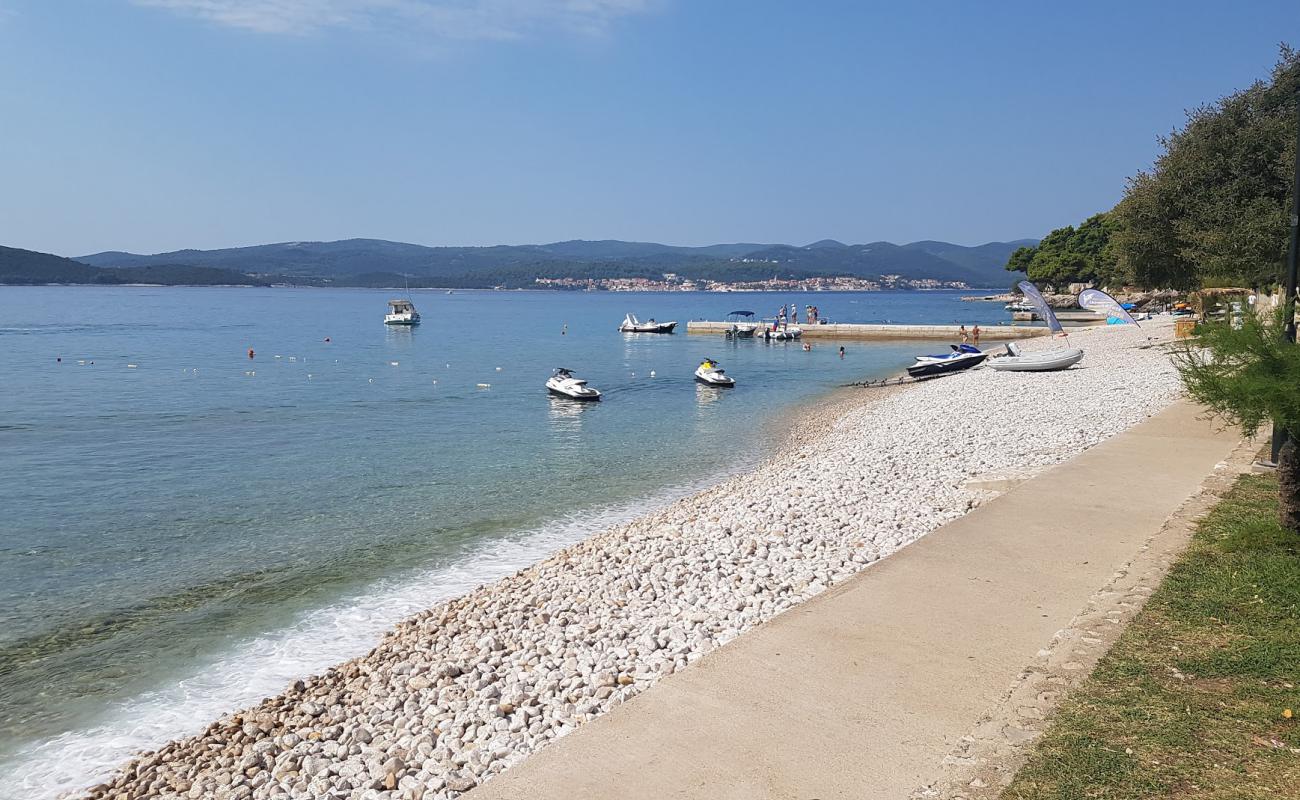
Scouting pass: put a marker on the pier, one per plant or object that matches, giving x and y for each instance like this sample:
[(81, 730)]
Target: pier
[(871, 331)]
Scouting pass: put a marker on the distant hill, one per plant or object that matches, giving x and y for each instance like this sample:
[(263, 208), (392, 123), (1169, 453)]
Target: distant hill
[(354, 261), (28, 267)]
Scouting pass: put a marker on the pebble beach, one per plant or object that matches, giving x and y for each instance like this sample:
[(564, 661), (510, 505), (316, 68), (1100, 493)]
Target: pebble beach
[(465, 689)]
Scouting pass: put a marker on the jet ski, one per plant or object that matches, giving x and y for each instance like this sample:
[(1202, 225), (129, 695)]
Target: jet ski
[(563, 383), (962, 357), (709, 373)]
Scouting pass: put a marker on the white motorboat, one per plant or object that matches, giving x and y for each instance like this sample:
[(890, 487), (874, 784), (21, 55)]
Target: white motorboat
[(712, 374), (742, 325), (401, 312), (1042, 361), (633, 325), (962, 357), (781, 332), (564, 384)]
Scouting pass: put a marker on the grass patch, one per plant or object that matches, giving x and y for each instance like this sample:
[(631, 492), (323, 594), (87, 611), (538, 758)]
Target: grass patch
[(1190, 701)]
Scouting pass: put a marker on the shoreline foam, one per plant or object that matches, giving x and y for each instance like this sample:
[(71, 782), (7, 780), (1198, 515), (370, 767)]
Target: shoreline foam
[(461, 691)]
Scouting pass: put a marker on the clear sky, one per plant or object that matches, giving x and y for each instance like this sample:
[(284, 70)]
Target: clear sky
[(151, 125)]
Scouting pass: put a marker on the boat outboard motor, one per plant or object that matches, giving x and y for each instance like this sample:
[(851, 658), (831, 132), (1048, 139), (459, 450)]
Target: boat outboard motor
[(1012, 349)]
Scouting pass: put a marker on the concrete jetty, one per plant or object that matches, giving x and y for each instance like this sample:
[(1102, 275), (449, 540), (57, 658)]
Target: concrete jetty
[(871, 331)]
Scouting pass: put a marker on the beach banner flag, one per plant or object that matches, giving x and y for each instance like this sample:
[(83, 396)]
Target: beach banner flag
[(1098, 301), (1039, 302)]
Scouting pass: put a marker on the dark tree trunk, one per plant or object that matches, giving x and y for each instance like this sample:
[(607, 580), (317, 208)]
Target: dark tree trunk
[(1288, 479)]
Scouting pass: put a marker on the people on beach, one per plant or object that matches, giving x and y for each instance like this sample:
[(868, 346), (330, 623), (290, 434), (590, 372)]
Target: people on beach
[(964, 335), (975, 333)]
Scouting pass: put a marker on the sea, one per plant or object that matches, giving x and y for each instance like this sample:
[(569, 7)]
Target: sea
[(186, 529)]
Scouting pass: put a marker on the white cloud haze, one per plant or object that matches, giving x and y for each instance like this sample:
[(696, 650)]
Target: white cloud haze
[(446, 19)]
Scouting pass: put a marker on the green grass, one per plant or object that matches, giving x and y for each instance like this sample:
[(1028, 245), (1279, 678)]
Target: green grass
[(1189, 702)]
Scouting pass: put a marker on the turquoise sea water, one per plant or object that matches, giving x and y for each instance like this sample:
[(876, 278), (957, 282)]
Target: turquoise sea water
[(184, 529)]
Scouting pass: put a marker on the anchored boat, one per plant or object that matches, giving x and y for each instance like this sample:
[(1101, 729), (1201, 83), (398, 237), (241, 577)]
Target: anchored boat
[(401, 312), (633, 325)]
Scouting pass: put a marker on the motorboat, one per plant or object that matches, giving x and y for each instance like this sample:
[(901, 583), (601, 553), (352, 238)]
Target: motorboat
[(712, 374), (781, 332), (742, 325), (564, 384), (401, 312), (1021, 306), (962, 357), (1042, 361), (633, 325)]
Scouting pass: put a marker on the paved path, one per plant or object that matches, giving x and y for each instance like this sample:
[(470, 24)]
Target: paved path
[(861, 692)]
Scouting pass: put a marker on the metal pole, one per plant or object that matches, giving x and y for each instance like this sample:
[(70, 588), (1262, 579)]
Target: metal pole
[(1288, 301)]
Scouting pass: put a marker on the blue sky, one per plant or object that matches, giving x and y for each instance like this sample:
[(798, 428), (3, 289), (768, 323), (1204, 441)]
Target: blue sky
[(151, 125)]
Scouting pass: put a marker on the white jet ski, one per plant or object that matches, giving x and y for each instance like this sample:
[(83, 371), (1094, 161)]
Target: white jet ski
[(563, 383), (711, 374), (1042, 361)]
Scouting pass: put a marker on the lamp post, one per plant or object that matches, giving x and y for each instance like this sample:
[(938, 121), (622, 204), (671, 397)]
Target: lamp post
[(1288, 301)]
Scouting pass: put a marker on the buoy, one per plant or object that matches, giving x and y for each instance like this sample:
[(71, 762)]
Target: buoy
[(308, 376), (449, 366), (276, 356), (327, 340), (392, 363), (498, 369), (130, 366), (58, 360), (81, 361), (652, 373), (435, 380), (372, 380)]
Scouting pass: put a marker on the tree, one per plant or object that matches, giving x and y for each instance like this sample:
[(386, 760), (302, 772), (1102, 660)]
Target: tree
[(1213, 208), (1248, 374), (1071, 255)]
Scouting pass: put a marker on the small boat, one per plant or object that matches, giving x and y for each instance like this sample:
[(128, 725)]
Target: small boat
[(1020, 305), (781, 332), (1044, 361), (633, 325), (711, 374), (742, 325), (962, 357), (563, 383), (401, 312)]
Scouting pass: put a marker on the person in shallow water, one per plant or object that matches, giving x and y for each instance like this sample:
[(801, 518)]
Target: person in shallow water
[(251, 353), (841, 351), (964, 335), (975, 333)]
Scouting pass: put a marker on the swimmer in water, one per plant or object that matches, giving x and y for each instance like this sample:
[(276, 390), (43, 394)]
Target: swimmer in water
[(250, 352)]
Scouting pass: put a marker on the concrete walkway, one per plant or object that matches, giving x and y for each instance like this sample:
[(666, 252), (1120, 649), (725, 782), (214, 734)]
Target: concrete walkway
[(861, 692)]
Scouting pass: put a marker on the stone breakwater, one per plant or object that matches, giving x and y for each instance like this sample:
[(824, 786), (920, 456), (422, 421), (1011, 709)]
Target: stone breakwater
[(462, 691)]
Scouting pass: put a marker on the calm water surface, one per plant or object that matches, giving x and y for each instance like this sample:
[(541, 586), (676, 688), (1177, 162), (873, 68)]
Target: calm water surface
[(183, 529)]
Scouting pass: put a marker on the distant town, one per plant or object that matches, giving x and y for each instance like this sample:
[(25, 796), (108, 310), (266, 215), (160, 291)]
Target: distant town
[(671, 282)]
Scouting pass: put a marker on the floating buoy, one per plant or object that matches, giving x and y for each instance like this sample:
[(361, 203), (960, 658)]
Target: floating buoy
[(277, 356), (652, 373), (435, 380), (81, 361), (327, 340), (449, 366), (392, 363), (131, 366), (58, 360), (498, 369), (308, 376), (372, 380)]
